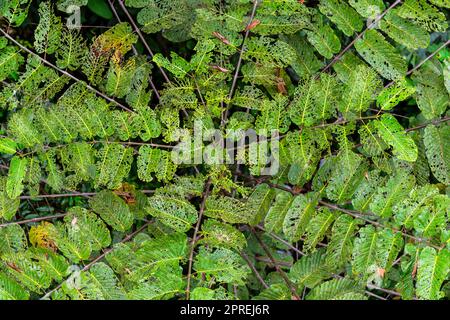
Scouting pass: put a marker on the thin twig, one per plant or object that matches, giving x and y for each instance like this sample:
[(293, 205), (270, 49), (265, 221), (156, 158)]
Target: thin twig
[(74, 194), (89, 87), (273, 235), (277, 267), (194, 237), (421, 62), (444, 119), (252, 266), (428, 58), (55, 216), (238, 66)]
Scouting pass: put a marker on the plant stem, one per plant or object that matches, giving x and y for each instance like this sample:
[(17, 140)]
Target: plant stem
[(194, 237)]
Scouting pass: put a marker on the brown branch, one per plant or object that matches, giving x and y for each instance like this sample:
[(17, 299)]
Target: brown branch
[(3, 225), (238, 66), (74, 194), (194, 237), (374, 22), (89, 87), (277, 267), (252, 266), (428, 58), (273, 235), (437, 121)]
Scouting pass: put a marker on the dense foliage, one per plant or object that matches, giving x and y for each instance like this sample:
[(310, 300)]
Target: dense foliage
[(348, 100)]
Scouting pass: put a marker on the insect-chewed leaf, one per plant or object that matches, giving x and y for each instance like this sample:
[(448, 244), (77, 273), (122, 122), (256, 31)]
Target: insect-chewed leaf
[(113, 165), (423, 14), (393, 134), (437, 149), (318, 227), (102, 284), (273, 221), (404, 32), (112, 209), (324, 39), (340, 247), (221, 265), (397, 187), (433, 268), (364, 251), (259, 202), (389, 97), (8, 206), (337, 289), (217, 234), (299, 215), (381, 55), (12, 239), (16, 174), (11, 290), (407, 210), (368, 8), (310, 270), (177, 214), (276, 291), (344, 16), (228, 209)]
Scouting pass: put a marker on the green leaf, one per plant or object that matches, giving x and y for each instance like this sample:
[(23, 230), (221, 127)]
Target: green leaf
[(177, 214), (310, 270), (404, 32), (381, 55), (368, 8), (102, 284), (275, 217), (437, 149), (221, 265), (423, 14), (344, 16), (433, 268), (393, 134), (100, 8), (178, 66), (340, 247), (298, 216), (11, 290), (112, 209), (337, 289), (7, 146), (397, 187), (399, 91), (259, 202), (16, 174), (323, 38), (364, 251), (318, 227)]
